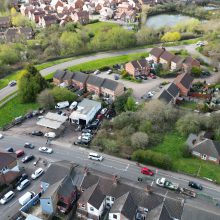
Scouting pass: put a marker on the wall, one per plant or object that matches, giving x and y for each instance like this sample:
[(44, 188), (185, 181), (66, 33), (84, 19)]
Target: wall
[(96, 212)]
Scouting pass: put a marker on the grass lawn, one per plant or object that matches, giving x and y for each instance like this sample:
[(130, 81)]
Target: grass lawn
[(173, 145), (188, 104), (13, 109), (100, 26)]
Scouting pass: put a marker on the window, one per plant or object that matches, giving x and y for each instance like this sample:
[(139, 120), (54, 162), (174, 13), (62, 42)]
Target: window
[(91, 209), (107, 199), (115, 216), (113, 199), (48, 203)]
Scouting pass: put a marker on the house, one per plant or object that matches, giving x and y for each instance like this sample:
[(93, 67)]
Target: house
[(190, 62), (137, 67), (67, 78), (11, 35), (169, 94), (91, 203), (124, 208), (204, 149), (111, 89), (81, 17), (94, 83), (58, 77), (155, 54), (176, 63), (26, 32), (106, 13), (184, 83), (9, 168), (86, 111), (165, 59), (5, 22), (79, 80), (47, 20), (54, 188)]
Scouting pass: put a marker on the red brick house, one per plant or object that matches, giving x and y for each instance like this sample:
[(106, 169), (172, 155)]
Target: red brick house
[(183, 82), (190, 62), (79, 80), (176, 63), (166, 58), (94, 84), (58, 77), (137, 67), (155, 54)]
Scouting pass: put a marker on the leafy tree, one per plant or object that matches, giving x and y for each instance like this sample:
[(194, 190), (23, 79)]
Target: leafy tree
[(130, 104), (9, 55), (63, 94), (190, 25), (146, 36), (120, 102), (46, 99), (139, 140), (196, 71), (31, 84), (18, 19), (171, 36), (145, 126)]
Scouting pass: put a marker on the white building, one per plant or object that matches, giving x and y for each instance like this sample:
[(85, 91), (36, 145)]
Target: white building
[(86, 111)]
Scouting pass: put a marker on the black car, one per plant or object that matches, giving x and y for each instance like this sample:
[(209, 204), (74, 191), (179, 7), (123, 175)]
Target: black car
[(29, 115), (93, 125), (20, 179), (28, 158), (10, 149), (86, 130), (195, 185), (37, 133), (29, 145)]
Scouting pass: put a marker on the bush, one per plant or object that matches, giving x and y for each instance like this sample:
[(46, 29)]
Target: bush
[(153, 158), (139, 140), (104, 68)]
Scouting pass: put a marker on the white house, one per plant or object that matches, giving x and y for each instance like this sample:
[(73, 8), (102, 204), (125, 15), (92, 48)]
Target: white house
[(86, 111)]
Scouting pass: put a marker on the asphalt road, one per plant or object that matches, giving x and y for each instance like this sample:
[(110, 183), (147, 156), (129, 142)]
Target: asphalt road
[(111, 165), (190, 48)]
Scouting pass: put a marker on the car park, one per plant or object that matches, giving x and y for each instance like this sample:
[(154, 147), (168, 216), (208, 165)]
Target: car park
[(50, 135), (95, 156), (9, 149), (7, 197), (37, 133), (29, 145), (147, 171), (19, 153), (24, 184), (37, 173), (28, 158), (12, 83), (46, 150), (195, 185)]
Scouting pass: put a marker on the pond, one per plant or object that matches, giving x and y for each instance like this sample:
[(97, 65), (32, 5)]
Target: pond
[(170, 20)]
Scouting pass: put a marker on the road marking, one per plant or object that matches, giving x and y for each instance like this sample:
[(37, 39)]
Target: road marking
[(12, 204)]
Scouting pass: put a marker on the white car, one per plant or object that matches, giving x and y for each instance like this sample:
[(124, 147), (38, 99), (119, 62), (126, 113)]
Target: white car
[(46, 150), (95, 156), (1, 136), (7, 197), (73, 105), (160, 181), (97, 72), (37, 173), (200, 43), (150, 94), (103, 111), (109, 71), (50, 135)]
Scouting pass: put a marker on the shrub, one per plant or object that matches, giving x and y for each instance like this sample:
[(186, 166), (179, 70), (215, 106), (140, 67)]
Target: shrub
[(104, 68), (139, 140)]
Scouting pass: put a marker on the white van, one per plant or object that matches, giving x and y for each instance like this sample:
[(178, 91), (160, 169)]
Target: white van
[(7, 197), (73, 105), (95, 156), (61, 105), (26, 198)]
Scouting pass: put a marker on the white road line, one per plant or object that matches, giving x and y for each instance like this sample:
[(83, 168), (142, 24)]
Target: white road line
[(12, 204)]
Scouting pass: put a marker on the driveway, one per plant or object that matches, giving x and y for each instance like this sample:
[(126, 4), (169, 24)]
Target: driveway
[(191, 48)]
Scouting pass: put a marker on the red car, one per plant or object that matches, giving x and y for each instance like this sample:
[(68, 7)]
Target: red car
[(146, 171), (19, 153)]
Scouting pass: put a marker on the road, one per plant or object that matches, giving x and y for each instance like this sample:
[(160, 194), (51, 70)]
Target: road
[(190, 48), (111, 165)]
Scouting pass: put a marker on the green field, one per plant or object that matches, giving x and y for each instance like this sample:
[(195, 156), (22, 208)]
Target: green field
[(173, 145), (13, 109), (100, 26)]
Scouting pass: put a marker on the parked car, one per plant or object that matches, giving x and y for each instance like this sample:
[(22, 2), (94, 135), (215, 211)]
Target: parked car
[(18, 120), (28, 158), (200, 43), (1, 136), (103, 111), (26, 198), (97, 72), (100, 116), (29, 145), (206, 73), (7, 197), (25, 183), (50, 135), (73, 105), (19, 153), (37, 133), (195, 185), (29, 115), (9, 149), (144, 77), (95, 156), (93, 125), (12, 83), (109, 71), (46, 150), (150, 94), (138, 77), (61, 105), (116, 77), (20, 179), (37, 173), (86, 131), (147, 171), (35, 113)]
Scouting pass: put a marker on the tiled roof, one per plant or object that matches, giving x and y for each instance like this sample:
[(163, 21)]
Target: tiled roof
[(173, 90), (185, 79), (191, 61), (110, 84), (6, 159), (69, 75), (177, 59), (80, 77), (165, 96), (156, 52), (59, 74), (95, 80), (167, 56)]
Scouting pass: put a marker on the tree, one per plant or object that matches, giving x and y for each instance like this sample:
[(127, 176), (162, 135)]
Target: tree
[(30, 84), (130, 104), (63, 94), (46, 99), (171, 36), (9, 54), (196, 71), (139, 140), (18, 19), (120, 102), (190, 123), (146, 36)]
